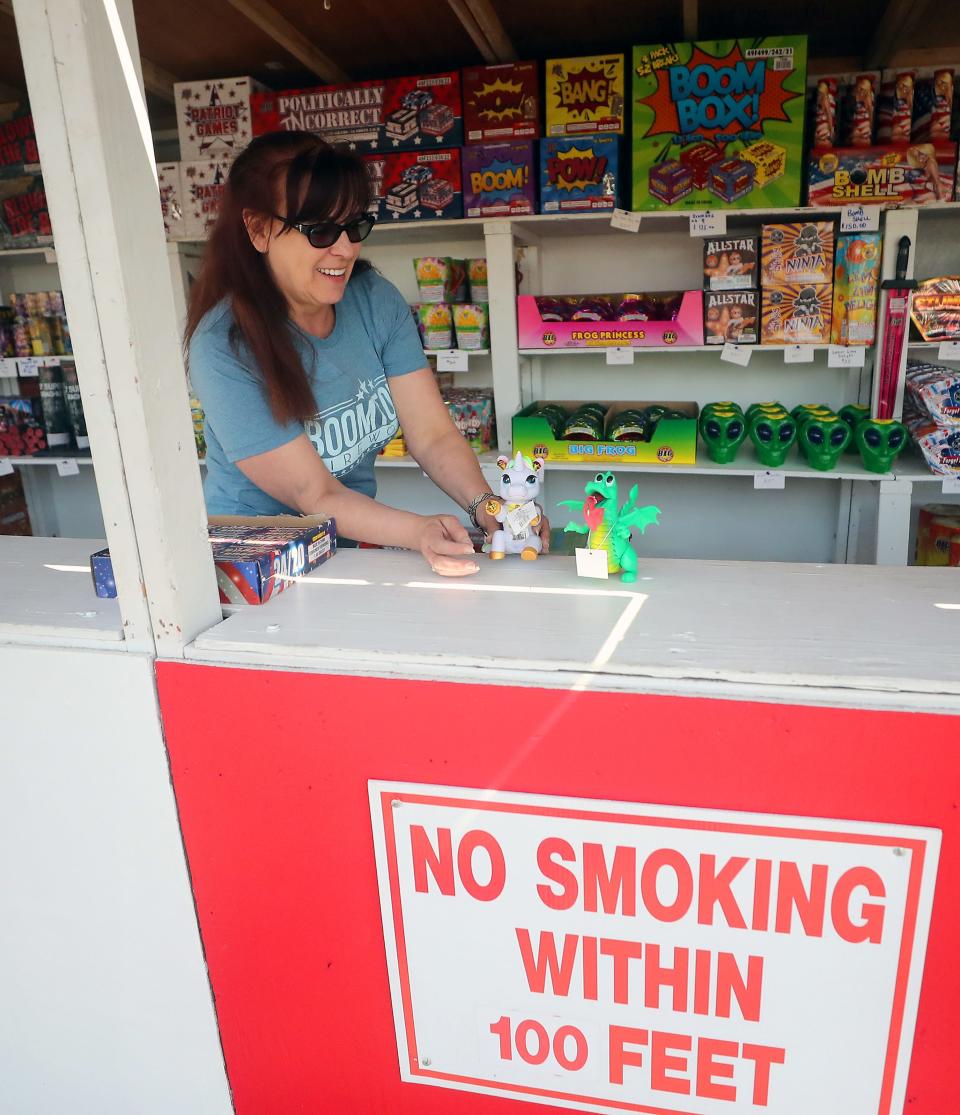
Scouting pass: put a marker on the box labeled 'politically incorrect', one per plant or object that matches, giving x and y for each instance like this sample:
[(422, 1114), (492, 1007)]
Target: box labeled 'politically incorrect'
[(719, 124)]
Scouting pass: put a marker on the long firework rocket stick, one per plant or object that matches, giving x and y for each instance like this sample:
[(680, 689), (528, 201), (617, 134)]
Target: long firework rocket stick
[(896, 317)]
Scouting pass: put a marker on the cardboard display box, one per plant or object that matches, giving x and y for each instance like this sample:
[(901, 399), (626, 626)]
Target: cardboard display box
[(499, 180), (416, 185), (584, 95), (170, 182), (686, 329), (213, 116), (18, 141), (24, 216), (674, 440), (901, 174), (202, 186), (580, 174), (501, 102), (255, 557), (719, 124)]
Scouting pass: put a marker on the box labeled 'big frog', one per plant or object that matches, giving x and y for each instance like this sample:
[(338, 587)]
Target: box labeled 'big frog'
[(585, 95), (579, 174), (501, 102), (742, 99)]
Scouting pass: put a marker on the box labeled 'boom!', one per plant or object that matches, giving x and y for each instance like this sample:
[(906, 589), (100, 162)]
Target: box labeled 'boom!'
[(719, 124)]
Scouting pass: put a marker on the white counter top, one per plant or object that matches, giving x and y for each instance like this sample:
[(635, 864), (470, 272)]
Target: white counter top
[(47, 594), (826, 633)]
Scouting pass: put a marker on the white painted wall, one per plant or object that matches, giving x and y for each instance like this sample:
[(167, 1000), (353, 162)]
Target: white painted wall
[(105, 1008)]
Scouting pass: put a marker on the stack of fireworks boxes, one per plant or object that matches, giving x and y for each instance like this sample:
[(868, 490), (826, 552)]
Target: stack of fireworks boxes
[(24, 217), (731, 300)]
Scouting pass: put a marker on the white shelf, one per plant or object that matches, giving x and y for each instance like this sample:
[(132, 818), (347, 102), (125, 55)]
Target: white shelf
[(456, 352), (48, 253), (918, 471), (660, 350), (10, 365), (50, 457)]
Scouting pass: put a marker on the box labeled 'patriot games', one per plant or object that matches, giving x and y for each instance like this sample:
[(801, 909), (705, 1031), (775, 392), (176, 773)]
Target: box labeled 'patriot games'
[(579, 175), (171, 200), (719, 124), (499, 179), (213, 117), (584, 95), (501, 102), (398, 114), (415, 185), (202, 183)]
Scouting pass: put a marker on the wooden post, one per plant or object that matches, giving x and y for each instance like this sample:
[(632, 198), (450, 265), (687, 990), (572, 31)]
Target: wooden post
[(100, 180)]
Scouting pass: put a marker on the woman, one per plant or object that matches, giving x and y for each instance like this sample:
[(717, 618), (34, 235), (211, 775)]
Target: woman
[(304, 359)]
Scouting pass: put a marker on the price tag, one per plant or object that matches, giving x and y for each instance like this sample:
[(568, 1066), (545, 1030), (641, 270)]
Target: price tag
[(769, 479), (620, 355), (798, 354), (626, 220), (68, 467), (521, 517), (949, 350), (28, 368), (736, 354), (846, 356), (453, 361), (592, 563), (951, 485), (708, 224), (6, 468), (860, 218)]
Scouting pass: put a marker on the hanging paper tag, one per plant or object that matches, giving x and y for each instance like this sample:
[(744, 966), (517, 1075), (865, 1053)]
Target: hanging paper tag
[(626, 220), (68, 467), (860, 218), (951, 485), (6, 468), (453, 361), (769, 479), (846, 356), (521, 517), (592, 563), (28, 368), (949, 350), (708, 224), (620, 355), (798, 354), (736, 354)]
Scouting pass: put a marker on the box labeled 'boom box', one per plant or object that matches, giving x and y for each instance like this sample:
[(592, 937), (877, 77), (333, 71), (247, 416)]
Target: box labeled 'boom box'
[(719, 124)]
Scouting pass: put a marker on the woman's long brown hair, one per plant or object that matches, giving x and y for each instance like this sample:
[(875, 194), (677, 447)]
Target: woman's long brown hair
[(316, 181)]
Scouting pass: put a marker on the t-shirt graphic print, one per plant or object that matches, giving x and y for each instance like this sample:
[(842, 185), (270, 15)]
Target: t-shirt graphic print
[(345, 433)]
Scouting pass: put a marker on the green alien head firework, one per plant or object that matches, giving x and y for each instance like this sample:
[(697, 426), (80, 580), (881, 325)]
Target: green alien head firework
[(723, 433), (822, 440), (852, 414), (880, 441), (772, 437), (719, 124)]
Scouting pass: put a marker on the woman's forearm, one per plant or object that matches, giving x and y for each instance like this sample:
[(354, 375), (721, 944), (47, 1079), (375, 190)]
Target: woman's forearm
[(452, 465), (364, 520)]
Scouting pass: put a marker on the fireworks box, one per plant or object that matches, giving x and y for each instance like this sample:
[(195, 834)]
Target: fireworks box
[(796, 315), (21, 426), (255, 558), (673, 441), (731, 315), (202, 185), (797, 253), (585, 95), (501, 102), (213, 117), (682, 329), (171, 200), (938, 535), (14, 517), (731, 263), (18, 141), (398, 114), (719, 123), (897, 174), (498, 180), (416, 185), (24, 216), (856, 280), (579, 174)]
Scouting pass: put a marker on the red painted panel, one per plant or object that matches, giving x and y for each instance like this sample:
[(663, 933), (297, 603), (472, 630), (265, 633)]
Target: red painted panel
[(270, 771)]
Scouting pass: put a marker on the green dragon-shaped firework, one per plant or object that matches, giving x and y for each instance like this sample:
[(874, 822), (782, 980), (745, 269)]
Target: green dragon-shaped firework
[(608, 528)]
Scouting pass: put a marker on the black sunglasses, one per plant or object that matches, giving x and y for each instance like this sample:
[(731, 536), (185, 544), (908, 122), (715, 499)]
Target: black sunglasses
[(322, 234)]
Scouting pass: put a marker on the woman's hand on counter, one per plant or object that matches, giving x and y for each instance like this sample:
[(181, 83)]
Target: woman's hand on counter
[(445, 543)]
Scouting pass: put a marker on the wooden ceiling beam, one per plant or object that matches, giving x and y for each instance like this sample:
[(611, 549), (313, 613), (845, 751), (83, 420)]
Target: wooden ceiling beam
[(897, 17), (487, 33), (691, 19), (157, 81), (285, 35)]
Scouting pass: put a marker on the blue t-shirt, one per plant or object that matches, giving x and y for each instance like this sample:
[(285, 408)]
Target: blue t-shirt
[(374, 338)]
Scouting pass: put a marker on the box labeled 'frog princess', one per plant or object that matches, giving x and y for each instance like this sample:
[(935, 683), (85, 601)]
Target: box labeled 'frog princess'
[(585, 95), (579, 174), (719, 124)]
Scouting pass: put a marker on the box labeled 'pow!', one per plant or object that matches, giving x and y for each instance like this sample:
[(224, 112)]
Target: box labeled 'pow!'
[(579, 174)]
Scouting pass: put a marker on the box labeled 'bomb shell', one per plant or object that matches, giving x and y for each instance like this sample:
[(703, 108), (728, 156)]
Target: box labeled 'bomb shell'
[(584, 95), (742, 98), (579, 174), (415, 185), (798, 314), (501, 102), (499, 179)]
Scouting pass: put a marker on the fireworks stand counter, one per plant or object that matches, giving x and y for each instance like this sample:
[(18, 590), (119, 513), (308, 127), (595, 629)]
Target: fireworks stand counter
[(662, 847)]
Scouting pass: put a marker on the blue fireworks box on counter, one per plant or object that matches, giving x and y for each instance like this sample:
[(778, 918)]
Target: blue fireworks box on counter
[(255, 558), (579, 175)]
